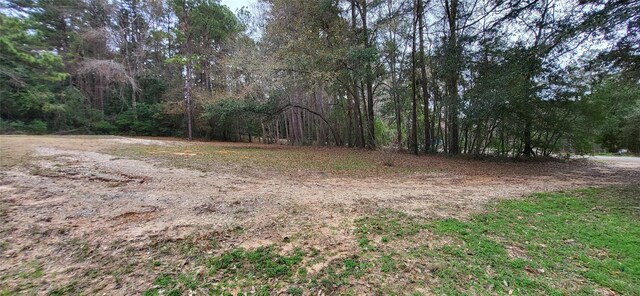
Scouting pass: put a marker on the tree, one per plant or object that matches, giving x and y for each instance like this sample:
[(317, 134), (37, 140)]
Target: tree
[(618, 23), (423, 76), (453, 57), (414, 94), (29, 74), (459, 76), (204, 24)]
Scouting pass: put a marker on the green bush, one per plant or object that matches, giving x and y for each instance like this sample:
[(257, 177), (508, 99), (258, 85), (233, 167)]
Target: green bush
[(144, 120), (7, 127), (36, 127), (104, 127), (631, 130), (382, 132)]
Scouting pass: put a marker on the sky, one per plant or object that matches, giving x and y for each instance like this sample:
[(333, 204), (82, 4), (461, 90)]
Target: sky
[(236, 4)]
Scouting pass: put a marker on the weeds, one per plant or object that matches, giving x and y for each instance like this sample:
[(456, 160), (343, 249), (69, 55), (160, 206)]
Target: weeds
[(581, 242), (390, 156), (387, 225), (568, 243), (555, 243), (237, 268)]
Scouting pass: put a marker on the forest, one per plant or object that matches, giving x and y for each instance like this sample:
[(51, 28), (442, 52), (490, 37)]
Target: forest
[(514, 78)]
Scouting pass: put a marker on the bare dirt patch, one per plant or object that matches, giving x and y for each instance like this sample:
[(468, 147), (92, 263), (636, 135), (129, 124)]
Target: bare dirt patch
[(92, 220)]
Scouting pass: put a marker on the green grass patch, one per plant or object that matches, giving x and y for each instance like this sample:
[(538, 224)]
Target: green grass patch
[(386, 226), (550, 243), (263, 262), (237, 268), (68, 289), (573, 243)]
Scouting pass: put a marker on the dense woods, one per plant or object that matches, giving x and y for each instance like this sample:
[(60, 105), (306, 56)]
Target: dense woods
[(479, 77)]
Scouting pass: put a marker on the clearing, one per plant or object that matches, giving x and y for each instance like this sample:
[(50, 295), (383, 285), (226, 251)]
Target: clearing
[(122, 216)]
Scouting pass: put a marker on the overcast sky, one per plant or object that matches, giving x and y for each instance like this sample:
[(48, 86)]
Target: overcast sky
[(236, 4)]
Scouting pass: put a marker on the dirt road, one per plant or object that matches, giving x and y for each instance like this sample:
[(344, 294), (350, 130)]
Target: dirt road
[(629, 162), (72, 206)]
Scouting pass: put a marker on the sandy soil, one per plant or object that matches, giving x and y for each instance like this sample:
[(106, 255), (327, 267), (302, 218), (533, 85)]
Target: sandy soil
[(69, 192)]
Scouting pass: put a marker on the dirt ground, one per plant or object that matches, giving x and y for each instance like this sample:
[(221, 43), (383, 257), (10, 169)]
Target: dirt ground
[(70, 208)]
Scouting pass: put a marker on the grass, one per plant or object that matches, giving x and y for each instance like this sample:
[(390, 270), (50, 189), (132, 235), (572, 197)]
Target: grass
[(208, 157), (238, 268), (10, 158), (29, 275), (579, 242), (582, 242)]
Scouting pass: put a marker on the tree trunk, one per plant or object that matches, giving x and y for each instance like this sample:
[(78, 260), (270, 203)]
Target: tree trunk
[(371, 135), (423, 79), (359, 126), (527, 139), (188, 68), (396, 101), (349, 121), (414, 108), (187, 99), (354, 90), (286, 128), (451, 7)]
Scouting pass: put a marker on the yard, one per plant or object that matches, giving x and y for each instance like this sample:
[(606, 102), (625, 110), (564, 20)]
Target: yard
[(122, 216)]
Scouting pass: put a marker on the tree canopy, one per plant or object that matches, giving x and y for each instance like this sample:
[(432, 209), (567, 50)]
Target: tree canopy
[(477, 77)]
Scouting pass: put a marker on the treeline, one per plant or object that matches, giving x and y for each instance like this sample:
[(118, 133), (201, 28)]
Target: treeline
[(479, 77)]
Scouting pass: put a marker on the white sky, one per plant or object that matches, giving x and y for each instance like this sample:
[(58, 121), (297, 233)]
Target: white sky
[(237, 4)]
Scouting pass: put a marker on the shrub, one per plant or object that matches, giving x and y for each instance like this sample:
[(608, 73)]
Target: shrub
[(37, 127), (104, 127)]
